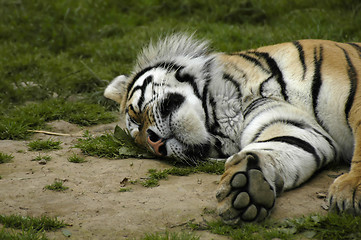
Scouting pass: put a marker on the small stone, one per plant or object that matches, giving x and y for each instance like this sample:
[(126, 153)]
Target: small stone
[(325, 206), (42, 162), (321, 195), (66, 233)]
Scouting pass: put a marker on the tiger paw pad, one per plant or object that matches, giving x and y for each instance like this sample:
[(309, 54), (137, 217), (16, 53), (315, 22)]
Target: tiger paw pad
[(249, 199)]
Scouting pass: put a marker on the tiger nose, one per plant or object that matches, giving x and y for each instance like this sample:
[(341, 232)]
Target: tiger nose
[(156, 143)]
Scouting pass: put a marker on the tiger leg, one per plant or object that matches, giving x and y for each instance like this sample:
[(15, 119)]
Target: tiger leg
[(345, 192), (264, 168)]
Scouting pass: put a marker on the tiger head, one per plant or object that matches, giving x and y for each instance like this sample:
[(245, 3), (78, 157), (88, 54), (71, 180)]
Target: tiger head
[(164, 98)]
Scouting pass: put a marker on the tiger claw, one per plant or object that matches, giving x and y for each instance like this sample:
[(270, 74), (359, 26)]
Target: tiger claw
[(345, 195)]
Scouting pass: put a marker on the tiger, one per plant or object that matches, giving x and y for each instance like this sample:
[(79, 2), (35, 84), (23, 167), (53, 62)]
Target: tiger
[(277, 115)]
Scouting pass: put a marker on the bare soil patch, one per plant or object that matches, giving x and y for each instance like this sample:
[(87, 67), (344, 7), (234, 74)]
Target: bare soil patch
[(96, 209)]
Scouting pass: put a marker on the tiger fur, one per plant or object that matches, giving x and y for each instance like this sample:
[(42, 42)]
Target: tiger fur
[(278, 113)]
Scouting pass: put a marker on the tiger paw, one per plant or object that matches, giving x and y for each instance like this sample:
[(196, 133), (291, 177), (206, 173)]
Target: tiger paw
[(244, 195), (345, 194)]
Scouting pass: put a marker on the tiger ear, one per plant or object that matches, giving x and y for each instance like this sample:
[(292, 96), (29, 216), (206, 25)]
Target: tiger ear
[(117, 90)]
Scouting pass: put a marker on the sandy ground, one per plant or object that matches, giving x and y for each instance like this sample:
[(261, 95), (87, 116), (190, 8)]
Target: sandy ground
[(96, 209)]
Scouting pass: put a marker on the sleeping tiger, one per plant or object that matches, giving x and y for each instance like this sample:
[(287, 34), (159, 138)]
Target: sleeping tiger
[(279, 113)]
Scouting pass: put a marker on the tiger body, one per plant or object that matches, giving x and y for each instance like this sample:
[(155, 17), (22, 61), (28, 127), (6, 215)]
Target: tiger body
[(279, 113)]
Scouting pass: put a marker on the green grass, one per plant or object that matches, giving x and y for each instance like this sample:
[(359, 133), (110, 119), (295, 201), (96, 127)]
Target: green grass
[(330, 227), (32, 228), (10, 234), (76, 159), (100, 146), (57, 186), (46, 158), (154, 175), (125, 189), (5, 158), (16, 122), (119, 145), (34, 223), (44, 145), (171, 236)]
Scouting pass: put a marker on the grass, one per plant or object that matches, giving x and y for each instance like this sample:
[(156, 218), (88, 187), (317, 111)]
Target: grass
[(32, 228), (5, 158), (34, 223), (211, 167), (76, 159), (171, 236), (125, 189), (16, 122), (119, 145), (57, 186), (44, 145), (330, 227), (6, 234), (46, 158)]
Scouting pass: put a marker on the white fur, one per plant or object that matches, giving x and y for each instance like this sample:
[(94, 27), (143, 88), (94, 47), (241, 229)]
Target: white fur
[(170, 48), (115, 89)]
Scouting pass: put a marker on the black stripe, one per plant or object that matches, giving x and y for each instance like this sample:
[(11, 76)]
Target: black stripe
[(130, 95), (215, 125), (298, 143), (357, 47), (235, 83), (218, 147), (207, 73), (255, 61), (273, 67), (352, 75), (169, 66), (262, 86), (258, 115), (253, 105), (301, 55), (170, 103), (330, 142), (185, 77), (136, 77), (317, 82), (300, 125), (146, 82)]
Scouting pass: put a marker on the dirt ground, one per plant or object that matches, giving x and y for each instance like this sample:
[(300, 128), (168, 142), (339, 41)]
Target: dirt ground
[(96, 209)]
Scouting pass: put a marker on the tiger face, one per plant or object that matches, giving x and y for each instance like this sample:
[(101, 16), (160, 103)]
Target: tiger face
[(162, 103)]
